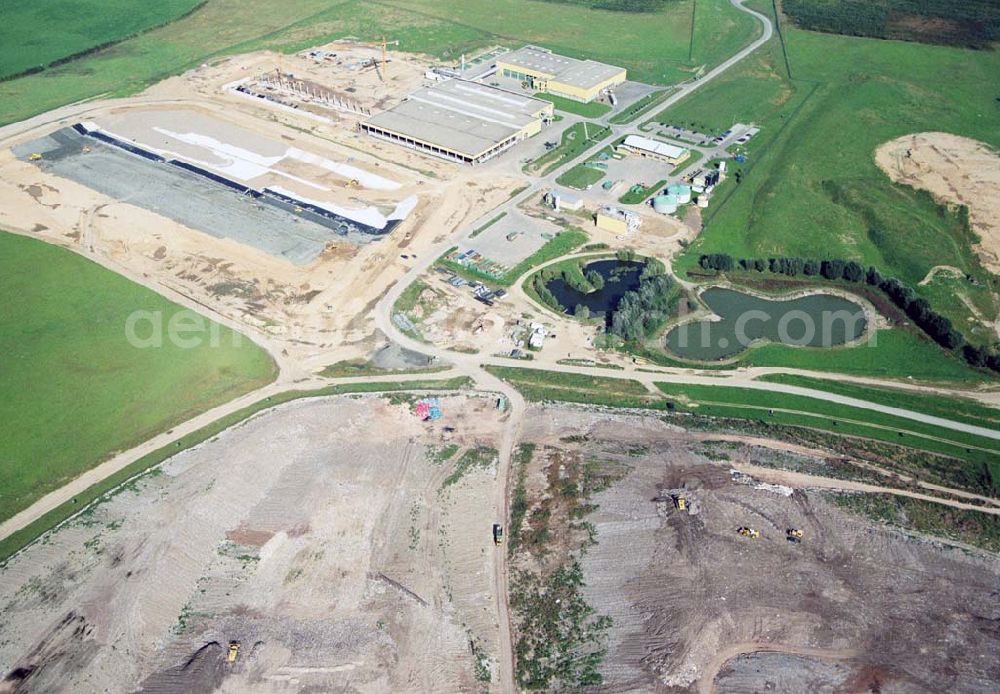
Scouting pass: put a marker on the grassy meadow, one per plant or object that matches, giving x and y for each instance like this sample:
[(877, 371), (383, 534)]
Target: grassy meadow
[(666, 45), (74, 389), (810, 187), (35, 34)]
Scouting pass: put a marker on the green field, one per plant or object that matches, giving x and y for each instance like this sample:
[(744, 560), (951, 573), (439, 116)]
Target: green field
[(590, 110), (74, 389), (810, 187), (36, 34), (580, 177), (662, 47)]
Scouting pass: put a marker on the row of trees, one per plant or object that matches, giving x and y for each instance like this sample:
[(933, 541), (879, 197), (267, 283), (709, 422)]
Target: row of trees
[(972, 24), (937, 327)]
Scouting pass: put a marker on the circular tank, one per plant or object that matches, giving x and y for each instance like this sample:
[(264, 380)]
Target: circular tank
[(665, 204), (681, 192)]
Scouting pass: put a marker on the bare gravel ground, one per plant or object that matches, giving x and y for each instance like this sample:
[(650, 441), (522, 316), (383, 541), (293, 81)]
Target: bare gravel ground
[(855, 607), (317, 534)]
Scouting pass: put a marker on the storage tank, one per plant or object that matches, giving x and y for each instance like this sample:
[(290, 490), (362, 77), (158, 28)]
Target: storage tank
[(665, 204), (681, 192)]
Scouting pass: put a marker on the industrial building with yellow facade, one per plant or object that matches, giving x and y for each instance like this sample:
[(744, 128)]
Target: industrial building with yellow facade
[(460, 121), (542, 70)]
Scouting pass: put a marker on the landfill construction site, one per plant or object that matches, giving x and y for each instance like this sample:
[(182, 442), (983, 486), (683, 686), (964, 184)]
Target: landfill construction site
[(340, 558), (288, 554), (260, 199), (394, 512), (716, 580)]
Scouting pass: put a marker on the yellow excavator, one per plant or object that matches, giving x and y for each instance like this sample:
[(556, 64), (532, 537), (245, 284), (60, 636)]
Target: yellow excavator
[(680, 503), (793, 535), (234, 651), (752, 533), (34, 156)]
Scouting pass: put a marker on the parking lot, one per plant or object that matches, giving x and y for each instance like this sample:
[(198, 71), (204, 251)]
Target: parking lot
[(512, 239)]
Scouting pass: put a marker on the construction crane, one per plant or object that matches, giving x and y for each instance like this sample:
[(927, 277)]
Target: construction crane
[(385, 57)]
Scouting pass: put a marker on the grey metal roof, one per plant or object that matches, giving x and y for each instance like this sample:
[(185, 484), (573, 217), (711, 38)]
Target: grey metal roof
[(578, 73), (461, 116)]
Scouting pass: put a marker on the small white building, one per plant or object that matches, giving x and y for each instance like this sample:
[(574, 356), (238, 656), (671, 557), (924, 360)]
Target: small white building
[(654, 149)]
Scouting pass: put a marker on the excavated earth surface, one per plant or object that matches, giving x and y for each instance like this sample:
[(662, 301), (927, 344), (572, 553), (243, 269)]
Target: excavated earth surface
[(319, 535), (856, 607)]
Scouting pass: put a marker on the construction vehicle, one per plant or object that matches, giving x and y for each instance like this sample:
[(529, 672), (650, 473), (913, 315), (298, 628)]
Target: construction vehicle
[(680, 503), (86, 149), (794, 535), (497, 534), (752, 533), (234, 651), (353, 183), (34, 156)]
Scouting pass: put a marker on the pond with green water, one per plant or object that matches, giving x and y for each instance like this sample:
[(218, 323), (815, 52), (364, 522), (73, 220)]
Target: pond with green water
[(816, 320)]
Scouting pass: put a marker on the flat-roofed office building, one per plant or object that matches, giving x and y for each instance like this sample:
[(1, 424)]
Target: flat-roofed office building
[(545, 71)]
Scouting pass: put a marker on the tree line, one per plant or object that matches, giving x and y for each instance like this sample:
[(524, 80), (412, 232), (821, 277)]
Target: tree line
[(937, 327), (971, 23)]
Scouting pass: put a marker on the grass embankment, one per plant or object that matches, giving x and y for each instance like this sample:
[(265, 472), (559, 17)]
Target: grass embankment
[(488, 224), (800, 410), (639, 107), (108, 487), (76, 389), (969, 527), (575, 140), (590, 110), (810, 187), (537, 385), (744, 403), (360, 367), (957, 409), (563, 243)]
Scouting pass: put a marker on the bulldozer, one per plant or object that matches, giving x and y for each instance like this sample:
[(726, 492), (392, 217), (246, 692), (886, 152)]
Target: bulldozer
[(234, 651), (752, 533), (34, 156), (680, 503), (793, 535)]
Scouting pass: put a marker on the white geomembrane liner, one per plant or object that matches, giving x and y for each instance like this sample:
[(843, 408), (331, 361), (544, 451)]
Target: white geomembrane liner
[(369, 216), (365, 178)]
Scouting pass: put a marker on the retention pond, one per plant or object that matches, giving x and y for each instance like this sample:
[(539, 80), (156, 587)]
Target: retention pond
[(619, 277), (816, 320)]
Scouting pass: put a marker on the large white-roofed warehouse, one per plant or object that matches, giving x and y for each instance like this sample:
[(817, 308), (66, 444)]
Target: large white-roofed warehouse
[(545, 71), (461, 121)]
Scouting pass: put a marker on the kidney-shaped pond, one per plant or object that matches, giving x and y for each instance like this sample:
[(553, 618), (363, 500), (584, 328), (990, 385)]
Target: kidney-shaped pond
[(620, 277), (817, 320)]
